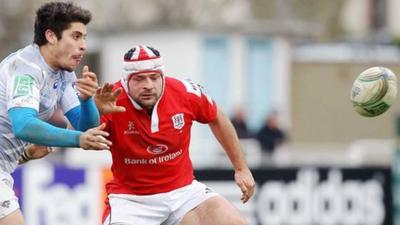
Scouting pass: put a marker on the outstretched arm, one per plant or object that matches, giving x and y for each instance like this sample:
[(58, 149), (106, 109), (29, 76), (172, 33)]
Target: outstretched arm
[(27, 127), (226, 135)]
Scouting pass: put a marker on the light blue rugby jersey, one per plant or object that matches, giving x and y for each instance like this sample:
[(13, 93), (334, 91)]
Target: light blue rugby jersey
[(27, 81)]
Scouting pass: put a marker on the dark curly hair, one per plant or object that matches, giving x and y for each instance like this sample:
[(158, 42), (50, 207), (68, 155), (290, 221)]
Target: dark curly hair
[(57, 16)]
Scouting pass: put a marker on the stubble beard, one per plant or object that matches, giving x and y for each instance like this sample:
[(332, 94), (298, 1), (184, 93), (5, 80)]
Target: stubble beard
[(68, 69), (147, 106)]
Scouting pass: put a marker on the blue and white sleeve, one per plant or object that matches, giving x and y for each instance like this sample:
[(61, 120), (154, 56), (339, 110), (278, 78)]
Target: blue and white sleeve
[(27, 127), (81, 114), (84, 116)]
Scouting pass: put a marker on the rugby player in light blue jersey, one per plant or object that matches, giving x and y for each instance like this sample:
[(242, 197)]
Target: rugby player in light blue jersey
[(37, 80)]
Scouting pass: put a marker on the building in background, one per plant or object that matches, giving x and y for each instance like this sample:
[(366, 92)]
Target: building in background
[(298, 57)]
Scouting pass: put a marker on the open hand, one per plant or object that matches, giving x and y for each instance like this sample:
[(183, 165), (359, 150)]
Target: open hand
[(106, 99), (95, 139)]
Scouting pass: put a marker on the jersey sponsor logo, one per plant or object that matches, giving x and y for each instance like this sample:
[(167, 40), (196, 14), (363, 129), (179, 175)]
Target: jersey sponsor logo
[(154, 160), (131, 128), (178, 121), (23, 85), (129, 161), (170, 156), (157, 149)]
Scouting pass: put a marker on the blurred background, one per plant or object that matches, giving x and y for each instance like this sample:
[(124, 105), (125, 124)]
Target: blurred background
[(281, 69)]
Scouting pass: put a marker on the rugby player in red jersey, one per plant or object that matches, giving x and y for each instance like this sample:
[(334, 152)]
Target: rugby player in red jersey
[(153, 181)]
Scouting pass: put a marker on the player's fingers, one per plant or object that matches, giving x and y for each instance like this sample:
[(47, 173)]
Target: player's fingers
[(242, 186), (245, 198), (96, 146), (110, 87), (92, 87), (99, 132), (85, 69), (99, 90), (100, 147), (248, 195), (250, 185), (102, 140), (104, 88), (119, 109), (87, 82), (90, 76), (117, 92), (245, 191), (85, 92), (98, 141), (86, 88), (251, 190), (81, 90), (102, 126)]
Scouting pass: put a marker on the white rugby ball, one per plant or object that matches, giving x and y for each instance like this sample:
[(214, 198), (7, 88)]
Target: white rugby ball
[(374, 91)]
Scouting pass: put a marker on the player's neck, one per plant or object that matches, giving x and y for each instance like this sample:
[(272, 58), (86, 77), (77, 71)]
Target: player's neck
[(149, 111), (48, 57)]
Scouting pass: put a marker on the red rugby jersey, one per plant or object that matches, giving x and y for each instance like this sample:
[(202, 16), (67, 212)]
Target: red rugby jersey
[(151, 154)]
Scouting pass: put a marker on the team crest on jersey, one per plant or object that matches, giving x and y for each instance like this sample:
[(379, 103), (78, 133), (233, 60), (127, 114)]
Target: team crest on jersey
[(178, 121)]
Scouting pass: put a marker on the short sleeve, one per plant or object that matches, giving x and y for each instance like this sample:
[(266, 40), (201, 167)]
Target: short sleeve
[(203, 106), (23, 85)]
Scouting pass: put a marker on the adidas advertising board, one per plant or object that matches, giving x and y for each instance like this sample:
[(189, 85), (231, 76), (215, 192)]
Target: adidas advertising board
[(65, 195)]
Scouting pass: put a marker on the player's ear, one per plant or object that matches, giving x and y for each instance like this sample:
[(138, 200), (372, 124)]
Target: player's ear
[(51, 37)]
